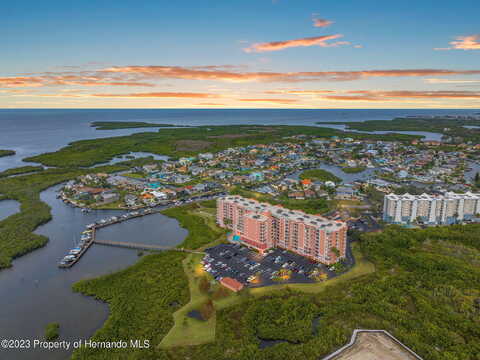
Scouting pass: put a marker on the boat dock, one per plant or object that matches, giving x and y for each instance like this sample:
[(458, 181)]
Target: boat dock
[(72, 258), (92, 228), (80, 254), (87, 240)]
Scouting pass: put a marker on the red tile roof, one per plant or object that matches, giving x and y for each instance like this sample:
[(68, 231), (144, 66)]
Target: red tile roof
[(231, 284)]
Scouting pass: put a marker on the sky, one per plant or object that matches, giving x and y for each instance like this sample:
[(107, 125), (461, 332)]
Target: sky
[(239, 54)]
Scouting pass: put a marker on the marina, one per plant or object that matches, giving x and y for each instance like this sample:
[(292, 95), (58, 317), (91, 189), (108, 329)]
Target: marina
[(89, 234), (88, 237)]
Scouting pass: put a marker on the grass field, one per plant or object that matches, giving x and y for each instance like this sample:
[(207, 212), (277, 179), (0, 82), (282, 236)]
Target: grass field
[(187, 330)]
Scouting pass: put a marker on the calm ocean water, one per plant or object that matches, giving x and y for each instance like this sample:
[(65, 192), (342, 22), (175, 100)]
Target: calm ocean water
[(31, 132)]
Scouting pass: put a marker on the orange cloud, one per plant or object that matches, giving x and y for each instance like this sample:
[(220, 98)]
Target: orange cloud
[(450, 81), (279, 101), (186, 73), (368, 95), (134, 95), (106, 83), (66, 79), (17, 91), (300, 92), (20, 81), (321, 23), (146, 75), (158, 95), (470, 42), (310, 41)]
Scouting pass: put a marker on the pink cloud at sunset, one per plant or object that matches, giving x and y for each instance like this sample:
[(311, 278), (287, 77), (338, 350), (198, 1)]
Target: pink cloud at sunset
[(368, 95), (300, 92), (179, 72), (135, 95), (470, 42), (142, 76), (321, 23), (278, 101), (159, 95), (58, 80), (303, 42), (451, 81)]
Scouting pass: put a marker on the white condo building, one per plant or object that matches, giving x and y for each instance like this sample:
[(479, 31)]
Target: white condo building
[(430, 209)]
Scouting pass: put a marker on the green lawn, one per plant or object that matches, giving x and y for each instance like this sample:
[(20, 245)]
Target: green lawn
[(353, 170), (186, 330), (320, 175)]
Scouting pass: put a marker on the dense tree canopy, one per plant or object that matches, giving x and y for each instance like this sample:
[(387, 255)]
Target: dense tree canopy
[(426, 291)]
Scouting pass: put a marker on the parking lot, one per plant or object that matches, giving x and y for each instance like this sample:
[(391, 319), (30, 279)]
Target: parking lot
[(253, 270), (366, 224)]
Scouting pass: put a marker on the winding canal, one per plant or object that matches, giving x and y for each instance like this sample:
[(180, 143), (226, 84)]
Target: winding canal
[(8, 208), (35, 292)]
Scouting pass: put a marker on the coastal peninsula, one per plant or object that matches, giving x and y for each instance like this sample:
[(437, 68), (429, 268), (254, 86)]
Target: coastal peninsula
[(454, 128), (7, 153), (117, 125)]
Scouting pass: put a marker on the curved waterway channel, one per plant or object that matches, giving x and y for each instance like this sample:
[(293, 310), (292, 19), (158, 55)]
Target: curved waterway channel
[(8, 208), (35, 292)]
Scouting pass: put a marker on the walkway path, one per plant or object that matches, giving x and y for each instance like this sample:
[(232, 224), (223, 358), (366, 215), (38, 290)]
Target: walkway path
[(144, 246)]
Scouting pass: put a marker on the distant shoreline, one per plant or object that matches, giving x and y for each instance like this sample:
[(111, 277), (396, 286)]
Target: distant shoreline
[(116, 125)]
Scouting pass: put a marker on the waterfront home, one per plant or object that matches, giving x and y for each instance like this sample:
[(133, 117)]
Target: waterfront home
[(148, 198), (150, 168), (329, 184), (90, 190), (131, 200), (346, 192), (159, 195), (170, 193), (109, 196), (200, 188)]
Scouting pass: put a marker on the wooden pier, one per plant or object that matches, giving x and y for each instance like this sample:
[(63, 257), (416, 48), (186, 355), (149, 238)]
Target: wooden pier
[(144, 246)]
